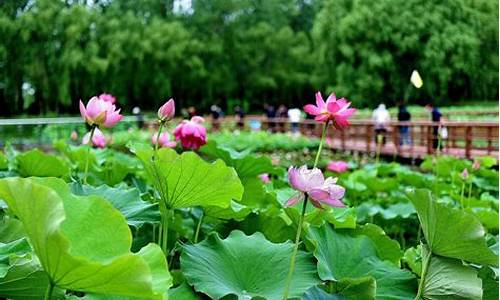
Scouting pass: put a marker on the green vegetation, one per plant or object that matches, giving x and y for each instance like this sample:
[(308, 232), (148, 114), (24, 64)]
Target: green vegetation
[(406, 233), (54, 52)]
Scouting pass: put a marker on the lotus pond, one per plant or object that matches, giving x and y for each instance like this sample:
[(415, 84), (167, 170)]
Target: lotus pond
[(147, 217), (228, 231)]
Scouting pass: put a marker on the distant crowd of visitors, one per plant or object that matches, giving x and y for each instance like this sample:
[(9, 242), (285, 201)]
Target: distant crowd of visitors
[(275, 121), (381, 119)]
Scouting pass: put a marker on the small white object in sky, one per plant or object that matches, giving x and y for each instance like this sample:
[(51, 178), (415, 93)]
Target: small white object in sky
[(416, 80)]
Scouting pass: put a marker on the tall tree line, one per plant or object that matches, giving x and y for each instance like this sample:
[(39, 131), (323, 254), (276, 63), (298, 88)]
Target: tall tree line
[(226, 52)]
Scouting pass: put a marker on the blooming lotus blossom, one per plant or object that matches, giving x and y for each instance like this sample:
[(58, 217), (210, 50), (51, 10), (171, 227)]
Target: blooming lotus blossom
[(99, 112), (264, 178), (313, 183), (334, 110), (465, 174), (337, 166), (167, 111), (108, 97), (164, 140), (98, 139), (74, 135), (476, 165), (191, 134)]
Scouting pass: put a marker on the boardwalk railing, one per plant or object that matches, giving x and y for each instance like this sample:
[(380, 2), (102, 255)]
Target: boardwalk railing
[(463, 139)]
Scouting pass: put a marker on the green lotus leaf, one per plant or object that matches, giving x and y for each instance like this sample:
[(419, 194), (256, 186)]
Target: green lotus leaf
[(187, 180), (26, 280), (413, 258), (452, 232), (387, 249), (83, 243), (235, 211), (37, 163), (245, 164), (343, 255), (127, 200), (448, 278), (4, 162), (490, 283), (245, 266), (316, 293), (11, 229), (183, 292)]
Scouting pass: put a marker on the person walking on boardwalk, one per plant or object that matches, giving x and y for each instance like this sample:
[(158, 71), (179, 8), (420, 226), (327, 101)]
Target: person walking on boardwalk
[(436, 118), (404, 130), (381, 119)]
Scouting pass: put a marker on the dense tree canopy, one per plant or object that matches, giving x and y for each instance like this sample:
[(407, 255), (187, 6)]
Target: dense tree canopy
[(54, 52)]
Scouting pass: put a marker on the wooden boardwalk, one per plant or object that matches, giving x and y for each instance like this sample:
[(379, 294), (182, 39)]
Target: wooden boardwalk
[(465, 139)]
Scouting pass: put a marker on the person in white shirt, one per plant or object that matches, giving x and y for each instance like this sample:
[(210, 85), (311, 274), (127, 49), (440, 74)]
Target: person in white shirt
[(381, 119), (294, 118)]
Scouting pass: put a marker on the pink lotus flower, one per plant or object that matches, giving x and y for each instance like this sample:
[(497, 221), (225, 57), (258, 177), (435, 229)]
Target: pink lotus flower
[(337, 166), (465, 174), (313, 183), (334, 110), (99, 112), (167, 111), (98, 139), (191, 134), (265, 178), (164, 140), (476, 165), (74, 135), (108, 98)]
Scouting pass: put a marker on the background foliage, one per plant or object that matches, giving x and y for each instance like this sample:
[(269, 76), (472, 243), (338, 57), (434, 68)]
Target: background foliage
[(54, 52)]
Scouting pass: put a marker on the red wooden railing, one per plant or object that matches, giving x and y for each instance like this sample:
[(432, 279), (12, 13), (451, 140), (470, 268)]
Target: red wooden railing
[(465, 139)]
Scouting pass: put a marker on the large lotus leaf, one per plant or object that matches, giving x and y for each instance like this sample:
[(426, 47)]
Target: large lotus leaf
[(448, 278), (37, 163), (11, 229), (344, 255), (26, 280), (490, 283), (114, 166), (13, 249), (245, 266), (245, 164), (183, 292), (487, 216), (316, 293), (256, 196), (452, 232), (366, 210), (235, 211), (127, 200), (276, 228), (187, 180), (83, 243), (387, 249)]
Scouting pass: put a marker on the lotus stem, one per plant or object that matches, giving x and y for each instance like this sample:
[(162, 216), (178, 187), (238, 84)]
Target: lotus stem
[(48, 292), (295, 250), (92, 130), (198, 227), (158, 140), (164, 241), (462, 195), (470, 194), (425, 265), (320, 147)]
